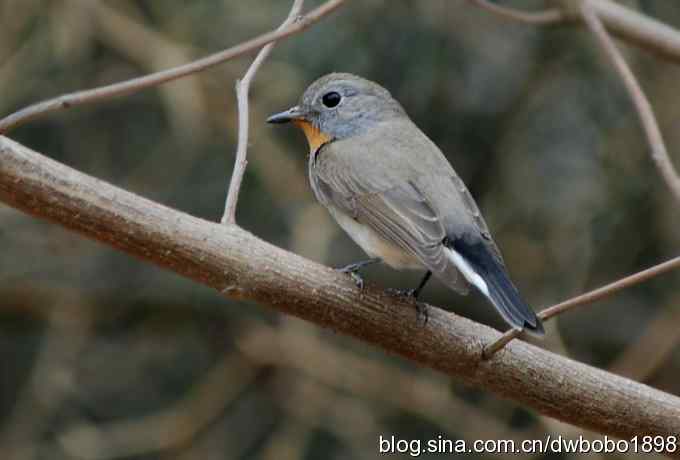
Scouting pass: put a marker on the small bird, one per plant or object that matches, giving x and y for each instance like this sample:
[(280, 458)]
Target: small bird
[(396, 195)]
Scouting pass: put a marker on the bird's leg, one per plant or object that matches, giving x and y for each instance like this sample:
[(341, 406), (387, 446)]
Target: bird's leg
[(423, 282), (421, 308), (412, 292), (353, 270)]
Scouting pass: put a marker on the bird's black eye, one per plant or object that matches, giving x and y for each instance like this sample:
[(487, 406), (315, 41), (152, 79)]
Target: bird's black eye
[(331, 99)]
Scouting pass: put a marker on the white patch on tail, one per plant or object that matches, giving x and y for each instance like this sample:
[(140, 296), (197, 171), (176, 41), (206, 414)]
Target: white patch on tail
[(467, 271)]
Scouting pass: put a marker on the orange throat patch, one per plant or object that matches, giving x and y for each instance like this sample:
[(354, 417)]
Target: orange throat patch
[(315, 138)]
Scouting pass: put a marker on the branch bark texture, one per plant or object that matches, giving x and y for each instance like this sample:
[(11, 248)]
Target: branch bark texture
[(239, 265)]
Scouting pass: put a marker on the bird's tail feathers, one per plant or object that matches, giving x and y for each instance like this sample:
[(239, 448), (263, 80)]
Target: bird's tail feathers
[(487, 274)]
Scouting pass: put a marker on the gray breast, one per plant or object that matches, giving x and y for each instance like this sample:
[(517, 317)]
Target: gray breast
[(340, 206)]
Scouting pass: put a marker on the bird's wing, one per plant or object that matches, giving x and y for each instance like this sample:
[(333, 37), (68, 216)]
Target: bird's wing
[(400, 214), (472, 223)]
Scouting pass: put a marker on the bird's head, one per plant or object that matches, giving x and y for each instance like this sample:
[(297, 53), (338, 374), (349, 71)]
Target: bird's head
[(338, 106)]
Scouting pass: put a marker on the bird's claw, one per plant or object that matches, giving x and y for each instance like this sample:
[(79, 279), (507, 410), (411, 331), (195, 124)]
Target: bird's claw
[(421, 308), (353, 271), (351, 268)]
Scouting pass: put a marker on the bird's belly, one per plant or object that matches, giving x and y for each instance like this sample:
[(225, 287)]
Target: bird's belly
[(373, 244)]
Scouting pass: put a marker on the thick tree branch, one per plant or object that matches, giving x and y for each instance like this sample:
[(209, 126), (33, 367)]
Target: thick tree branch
[(242, 88), (137, 84), (240, 265)]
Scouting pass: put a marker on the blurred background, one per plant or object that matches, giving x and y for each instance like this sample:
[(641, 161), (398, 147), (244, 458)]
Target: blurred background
[(105, 357)]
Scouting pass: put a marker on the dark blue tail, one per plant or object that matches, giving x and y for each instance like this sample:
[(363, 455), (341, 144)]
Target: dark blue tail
[(502, 292)]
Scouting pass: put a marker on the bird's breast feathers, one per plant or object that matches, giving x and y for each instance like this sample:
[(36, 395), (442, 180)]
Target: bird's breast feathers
[(373, 244)]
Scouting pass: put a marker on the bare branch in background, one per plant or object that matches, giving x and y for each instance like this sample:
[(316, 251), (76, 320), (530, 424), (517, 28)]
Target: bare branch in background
[(637, 29), (242, 88), (52, 380), (235, 262), (169, 428), (415, 393), (148, 81), (549, 16), (653, 348), (630, 25), (185, 104), (587, 298), (644, 108), (643, 31)]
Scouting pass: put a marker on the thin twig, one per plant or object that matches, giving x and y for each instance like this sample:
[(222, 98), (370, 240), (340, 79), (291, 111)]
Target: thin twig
[(584, 299), (549, 16), (644, 108), (137, 84), (242, 88)]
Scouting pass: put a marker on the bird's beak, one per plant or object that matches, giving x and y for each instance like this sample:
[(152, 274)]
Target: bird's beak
[(292, 114), (300, 118)]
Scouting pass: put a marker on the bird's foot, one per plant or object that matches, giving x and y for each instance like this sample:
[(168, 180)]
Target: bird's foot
[(353, 271), (421, 308), (356, 277)]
